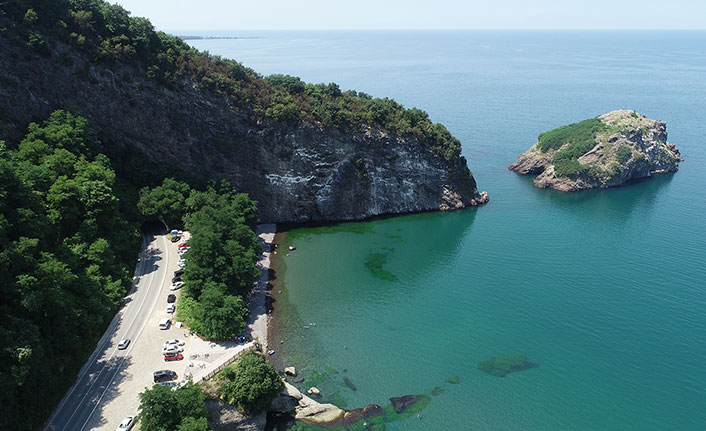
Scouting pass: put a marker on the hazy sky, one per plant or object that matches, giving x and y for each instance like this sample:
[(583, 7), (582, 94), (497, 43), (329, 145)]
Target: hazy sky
[(420, 14)]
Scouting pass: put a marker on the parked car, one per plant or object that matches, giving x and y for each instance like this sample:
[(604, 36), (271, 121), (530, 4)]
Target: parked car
[(182, 245), (178, 272), (127, 423), (176, 278), (171, 298), (175, 342), (165, 324), (173, 356), (170, 308), (172, 348), (176, 286), (122, 345), (176, 238), (164, 376), (168, 384)]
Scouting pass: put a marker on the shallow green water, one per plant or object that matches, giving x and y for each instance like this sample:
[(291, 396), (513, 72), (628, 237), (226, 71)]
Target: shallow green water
[(604, 290)]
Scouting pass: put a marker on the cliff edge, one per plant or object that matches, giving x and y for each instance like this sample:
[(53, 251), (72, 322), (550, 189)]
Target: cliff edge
[(305, 152), (606, 151)]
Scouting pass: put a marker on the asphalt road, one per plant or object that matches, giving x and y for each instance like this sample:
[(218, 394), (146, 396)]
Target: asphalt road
[(81, 407)]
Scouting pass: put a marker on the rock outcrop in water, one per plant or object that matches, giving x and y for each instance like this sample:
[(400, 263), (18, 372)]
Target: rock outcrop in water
[(602, 152), (500, 366)]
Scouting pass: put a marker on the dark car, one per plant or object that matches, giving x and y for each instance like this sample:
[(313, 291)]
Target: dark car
[(164, 376), (171, 298), (176, 278), (178, 272), (176, 238)]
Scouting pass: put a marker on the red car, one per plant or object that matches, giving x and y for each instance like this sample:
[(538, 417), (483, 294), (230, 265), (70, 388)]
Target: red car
[(173, 356), (182, 245)]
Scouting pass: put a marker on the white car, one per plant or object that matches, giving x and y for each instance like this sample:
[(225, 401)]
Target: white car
[(170, 308), (175, 342), (176, 286), (122, 345), (172, 348), (126, 424)]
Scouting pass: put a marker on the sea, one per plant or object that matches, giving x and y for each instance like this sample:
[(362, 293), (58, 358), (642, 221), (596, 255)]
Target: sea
[(603, 291)]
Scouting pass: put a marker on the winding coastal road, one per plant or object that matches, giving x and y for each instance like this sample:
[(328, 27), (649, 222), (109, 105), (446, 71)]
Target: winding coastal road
[(107, 376)]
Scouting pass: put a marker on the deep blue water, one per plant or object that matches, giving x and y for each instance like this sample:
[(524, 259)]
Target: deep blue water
[(604, 290)]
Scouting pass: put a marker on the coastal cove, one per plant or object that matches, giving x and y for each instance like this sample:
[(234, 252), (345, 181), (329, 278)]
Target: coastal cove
[(600, 289)]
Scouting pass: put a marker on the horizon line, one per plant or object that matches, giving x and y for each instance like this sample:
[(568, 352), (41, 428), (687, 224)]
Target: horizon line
[(440, 29)]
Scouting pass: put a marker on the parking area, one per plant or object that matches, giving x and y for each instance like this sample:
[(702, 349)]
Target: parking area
[(120, 398)]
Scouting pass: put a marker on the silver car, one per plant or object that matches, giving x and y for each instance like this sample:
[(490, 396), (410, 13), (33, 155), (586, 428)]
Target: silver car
[(122, 345)]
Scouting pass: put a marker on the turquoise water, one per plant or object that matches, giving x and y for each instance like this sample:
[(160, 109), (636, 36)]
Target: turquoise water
[(604, 290)]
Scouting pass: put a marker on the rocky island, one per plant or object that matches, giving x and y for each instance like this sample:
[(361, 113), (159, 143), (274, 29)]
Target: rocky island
[(601, 152)]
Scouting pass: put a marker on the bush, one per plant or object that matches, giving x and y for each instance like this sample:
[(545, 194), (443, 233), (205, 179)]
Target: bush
[(578, 135), (164, 409), (251, 383), (624, 154)]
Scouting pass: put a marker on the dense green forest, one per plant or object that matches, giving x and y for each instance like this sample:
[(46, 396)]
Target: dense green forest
[(109, 35), (66, 258), (221, 261), (69, 239)]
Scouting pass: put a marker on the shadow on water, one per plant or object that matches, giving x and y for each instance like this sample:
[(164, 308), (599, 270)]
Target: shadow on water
[(640, 193)]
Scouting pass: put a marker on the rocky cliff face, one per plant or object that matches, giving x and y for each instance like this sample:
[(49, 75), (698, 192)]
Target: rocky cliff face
[(625, 146), (296, 173)]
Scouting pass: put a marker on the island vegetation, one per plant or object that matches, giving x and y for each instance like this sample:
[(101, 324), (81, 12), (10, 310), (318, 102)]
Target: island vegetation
[(571, 141)]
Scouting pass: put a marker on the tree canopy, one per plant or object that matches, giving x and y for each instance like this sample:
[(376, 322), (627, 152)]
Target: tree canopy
[(251, 383), (164, 409), (221, 262), (65, 257)]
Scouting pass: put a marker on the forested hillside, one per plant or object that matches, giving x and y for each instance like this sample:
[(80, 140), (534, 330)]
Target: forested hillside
[(303, 151), (66, 257)]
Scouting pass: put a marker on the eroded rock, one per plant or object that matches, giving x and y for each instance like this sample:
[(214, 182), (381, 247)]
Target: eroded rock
[(607, 151)]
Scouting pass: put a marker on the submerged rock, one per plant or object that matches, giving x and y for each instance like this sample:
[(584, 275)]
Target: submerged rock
[(402, 404), (601, 152), (349, 383), (500, 366)]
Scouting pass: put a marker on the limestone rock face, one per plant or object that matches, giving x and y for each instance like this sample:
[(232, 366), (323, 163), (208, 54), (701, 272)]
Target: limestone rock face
[(296, 173), (226, 417), (625, 146)]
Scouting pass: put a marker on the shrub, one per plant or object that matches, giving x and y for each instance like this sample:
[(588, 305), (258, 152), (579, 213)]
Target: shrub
[(578, 135), (250, 383), (624, 154)]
